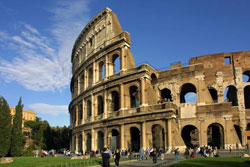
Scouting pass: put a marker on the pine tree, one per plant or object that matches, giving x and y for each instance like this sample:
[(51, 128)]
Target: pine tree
[(5, 127), (17, 136)]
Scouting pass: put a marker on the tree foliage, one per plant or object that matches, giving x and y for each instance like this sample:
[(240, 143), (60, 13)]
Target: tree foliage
[(5, 127), (17, 135)]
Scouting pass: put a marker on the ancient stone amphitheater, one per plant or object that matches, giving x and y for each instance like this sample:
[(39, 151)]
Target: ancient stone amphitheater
[(120, 105)]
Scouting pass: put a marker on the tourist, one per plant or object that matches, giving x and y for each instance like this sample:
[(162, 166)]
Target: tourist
[(176, 153), (141, 151), (154, 155), (230, 149), (247, 147), (105, 157), (109, 151), (186, 153), (147, 153), (117, 157)]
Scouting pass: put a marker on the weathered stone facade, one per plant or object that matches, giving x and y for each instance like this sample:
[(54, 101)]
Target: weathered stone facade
[(139, 106)]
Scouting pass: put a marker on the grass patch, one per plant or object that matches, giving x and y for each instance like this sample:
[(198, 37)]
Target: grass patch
[(212, 162), (54, 162)]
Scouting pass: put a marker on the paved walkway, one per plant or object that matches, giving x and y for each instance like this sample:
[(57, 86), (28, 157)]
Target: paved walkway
[(169, 160)]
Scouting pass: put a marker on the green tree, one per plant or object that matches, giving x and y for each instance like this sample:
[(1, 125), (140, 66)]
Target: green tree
[(5, 127), (37, 131), (17, 135)]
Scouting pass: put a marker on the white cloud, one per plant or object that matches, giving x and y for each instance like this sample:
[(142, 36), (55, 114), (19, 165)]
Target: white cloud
[(43, 62), (55, 110)]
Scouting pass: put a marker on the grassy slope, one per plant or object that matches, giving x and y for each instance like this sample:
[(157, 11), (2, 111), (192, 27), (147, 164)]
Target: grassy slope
[(214, 162), (31, 161)]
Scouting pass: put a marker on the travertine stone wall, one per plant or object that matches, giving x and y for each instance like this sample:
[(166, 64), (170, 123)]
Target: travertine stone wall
[(152, 102)]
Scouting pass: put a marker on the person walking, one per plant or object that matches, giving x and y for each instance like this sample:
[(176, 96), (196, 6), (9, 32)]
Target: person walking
[(230, 149), (141, 151), (154, 155), (117, 157), (176, 153), (105, 158)]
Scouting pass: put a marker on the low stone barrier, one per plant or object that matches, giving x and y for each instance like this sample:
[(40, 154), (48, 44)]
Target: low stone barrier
[(6, 160)]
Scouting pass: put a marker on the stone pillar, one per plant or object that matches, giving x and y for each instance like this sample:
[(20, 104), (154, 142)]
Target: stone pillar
[(76, 144), (122, 99), (166, 135), (122, 57), (83, 112), (122, 138), (143, 96), (93, 140), (105, 137), (143, 135), (83, 142), (105, 99), (202, 132), (85, 80), (77, 116), (94, 73), (169, 138), (93, 110)]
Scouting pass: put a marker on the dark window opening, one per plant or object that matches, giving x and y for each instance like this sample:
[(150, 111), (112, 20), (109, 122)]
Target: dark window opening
[(153, 79), (215, 135), (90, 41), (246, 76), (89, 113), (227, 60), (135, 139), (188, 93), (214, 95), (247, 97), (166, 95), (100, 105), (100, 140), (134, 96), (115, 140), (248, 127), (115, 101), (90, 77), (190, 135), (238, 131), (230, 95), (101, 71), (88, 143), (158, 136), (116, 64)]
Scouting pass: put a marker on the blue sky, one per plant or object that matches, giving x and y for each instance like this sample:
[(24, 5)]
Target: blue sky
[(36, 39)]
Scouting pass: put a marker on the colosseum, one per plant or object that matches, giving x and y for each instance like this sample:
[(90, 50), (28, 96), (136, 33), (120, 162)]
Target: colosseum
[(120, 105)]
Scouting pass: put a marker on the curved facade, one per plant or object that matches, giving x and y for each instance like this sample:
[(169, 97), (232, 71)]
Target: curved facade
[(120, 105)]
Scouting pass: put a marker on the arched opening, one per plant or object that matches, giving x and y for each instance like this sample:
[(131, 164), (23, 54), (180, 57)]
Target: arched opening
[(100, 105), (100, 140), (238, 131), (215, 135), (134, 96), (76, 87), (116, 64), (81, 82), (80, 113), (248, 127), (88, 142), (166, 95), (214, 94), (135, 139), (153, 79), (188, 93), (80, 143), (247, 97), (90, 77), (115, 140), (89, 112), (115, 101), (158, 136), (246, 76), (190, 136), (101, 71), (230, 95)]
